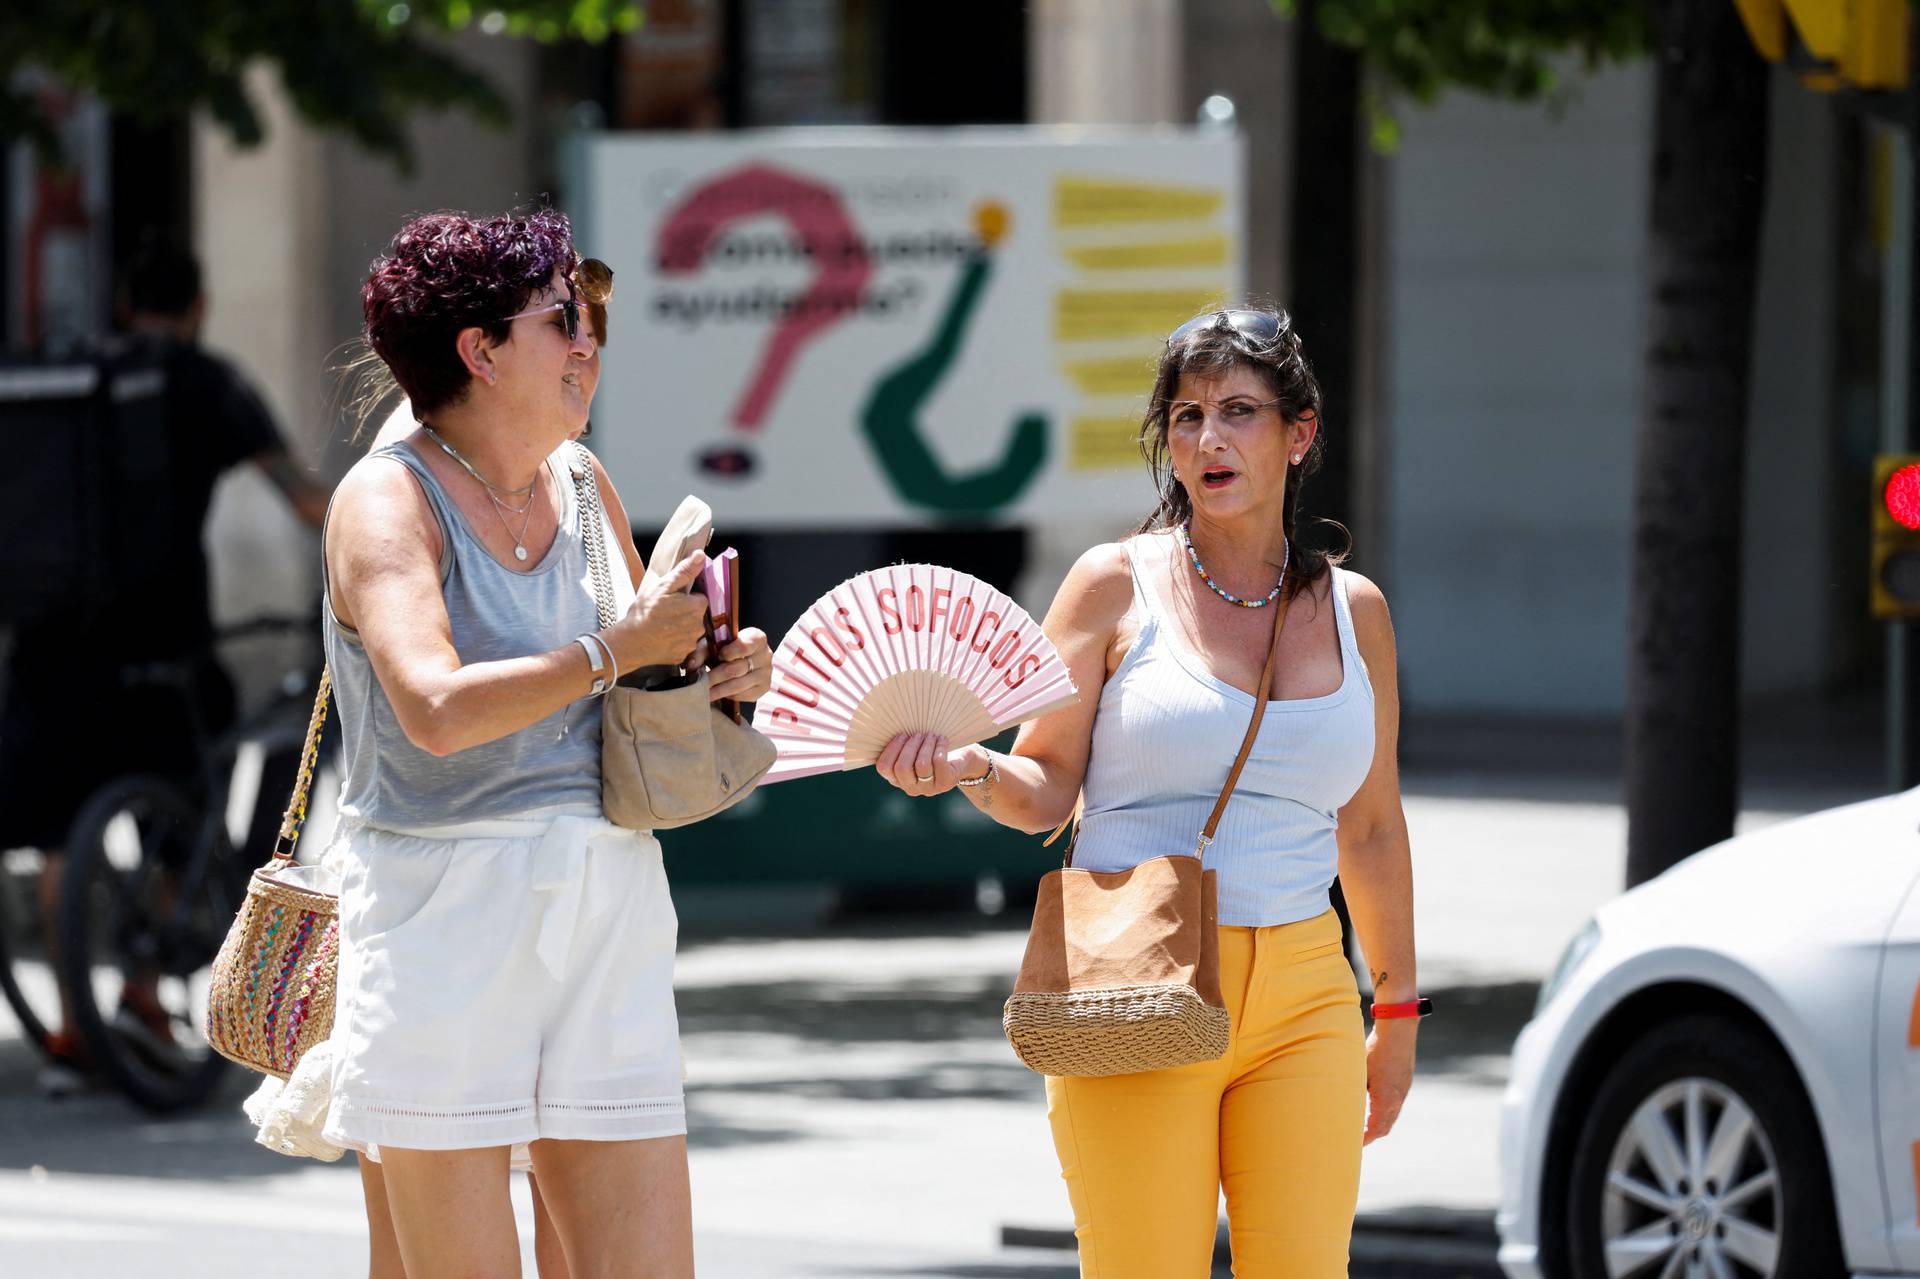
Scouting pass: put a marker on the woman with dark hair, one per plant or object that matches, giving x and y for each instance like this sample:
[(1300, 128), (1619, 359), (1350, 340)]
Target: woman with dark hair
[(506, 953), (1172, 626)]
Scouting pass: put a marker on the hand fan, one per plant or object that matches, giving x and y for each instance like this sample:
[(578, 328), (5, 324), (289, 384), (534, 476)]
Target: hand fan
[(914, 648)]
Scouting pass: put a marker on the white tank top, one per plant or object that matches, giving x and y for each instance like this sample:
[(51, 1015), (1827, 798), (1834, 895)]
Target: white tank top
[(1165, 735)]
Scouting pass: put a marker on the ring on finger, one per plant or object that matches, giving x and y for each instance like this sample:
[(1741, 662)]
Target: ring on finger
[(923, 777), (749, 663)]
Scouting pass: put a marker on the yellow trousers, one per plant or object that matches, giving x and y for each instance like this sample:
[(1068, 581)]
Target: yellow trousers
[(1277, 1122)]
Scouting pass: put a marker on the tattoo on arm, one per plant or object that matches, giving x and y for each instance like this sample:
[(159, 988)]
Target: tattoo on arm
[(1380, 979)]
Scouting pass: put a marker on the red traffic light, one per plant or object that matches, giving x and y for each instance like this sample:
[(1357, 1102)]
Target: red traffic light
[(1902, 496)]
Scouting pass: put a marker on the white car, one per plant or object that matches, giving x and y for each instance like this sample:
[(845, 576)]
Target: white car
[(1722, 1078)]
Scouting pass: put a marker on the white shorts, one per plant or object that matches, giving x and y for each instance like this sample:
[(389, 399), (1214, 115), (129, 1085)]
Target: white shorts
[(502, 982)]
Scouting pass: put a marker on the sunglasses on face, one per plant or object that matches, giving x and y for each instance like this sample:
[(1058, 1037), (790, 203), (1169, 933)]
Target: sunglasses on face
[(569, 315), (1262, 328), (592, 282)]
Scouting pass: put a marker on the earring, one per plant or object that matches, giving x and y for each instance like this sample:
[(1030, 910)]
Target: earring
[(1296, 459)]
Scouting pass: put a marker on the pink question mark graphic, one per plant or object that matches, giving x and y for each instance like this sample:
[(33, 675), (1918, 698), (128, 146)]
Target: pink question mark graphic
[(827, 234)]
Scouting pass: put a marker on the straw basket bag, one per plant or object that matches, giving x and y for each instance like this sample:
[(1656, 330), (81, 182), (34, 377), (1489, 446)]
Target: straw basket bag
[(1122, 969), (273, 980)]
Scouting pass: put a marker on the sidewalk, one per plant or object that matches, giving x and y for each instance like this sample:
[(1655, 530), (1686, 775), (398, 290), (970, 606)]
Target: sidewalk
[(854, 1109)]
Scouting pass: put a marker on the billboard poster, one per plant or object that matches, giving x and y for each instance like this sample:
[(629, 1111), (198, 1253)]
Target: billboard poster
[(897, 328)]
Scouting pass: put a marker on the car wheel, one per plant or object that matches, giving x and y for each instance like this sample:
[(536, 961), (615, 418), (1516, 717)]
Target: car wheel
[(1701, 1159)]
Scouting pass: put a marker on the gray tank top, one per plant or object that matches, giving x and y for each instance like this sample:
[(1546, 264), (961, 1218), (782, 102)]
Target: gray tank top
[(496, 613)]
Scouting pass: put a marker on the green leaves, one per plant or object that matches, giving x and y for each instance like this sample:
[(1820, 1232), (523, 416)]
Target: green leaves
[(359, 66), (1505, 48)]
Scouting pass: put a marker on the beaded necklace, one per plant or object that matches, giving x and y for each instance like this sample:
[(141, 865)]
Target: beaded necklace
[(1286, 553)]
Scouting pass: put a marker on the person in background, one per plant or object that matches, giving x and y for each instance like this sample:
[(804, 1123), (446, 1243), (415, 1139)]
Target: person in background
[(64, 670), (1167, 634)]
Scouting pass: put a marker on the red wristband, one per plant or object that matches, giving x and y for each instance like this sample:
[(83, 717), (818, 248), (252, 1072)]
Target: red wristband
[(1420, 1007)]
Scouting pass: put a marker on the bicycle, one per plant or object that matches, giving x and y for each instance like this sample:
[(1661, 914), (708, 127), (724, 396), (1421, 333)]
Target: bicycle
[(155, 868)]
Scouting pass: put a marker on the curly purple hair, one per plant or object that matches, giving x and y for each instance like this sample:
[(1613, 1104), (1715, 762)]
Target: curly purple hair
[(445, 272)]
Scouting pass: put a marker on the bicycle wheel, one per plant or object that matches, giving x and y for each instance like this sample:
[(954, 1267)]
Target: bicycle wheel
[(150, 887)]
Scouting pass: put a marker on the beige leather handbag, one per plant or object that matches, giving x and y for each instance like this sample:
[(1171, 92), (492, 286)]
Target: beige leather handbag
[(1122, 970), (668, 756)]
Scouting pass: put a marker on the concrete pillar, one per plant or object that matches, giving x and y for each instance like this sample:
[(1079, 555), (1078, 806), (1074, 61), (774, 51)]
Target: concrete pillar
[(260, 234), (1106, 61), (1242, 50)]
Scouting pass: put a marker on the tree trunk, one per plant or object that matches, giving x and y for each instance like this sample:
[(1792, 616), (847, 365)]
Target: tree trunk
[(1683, 679)]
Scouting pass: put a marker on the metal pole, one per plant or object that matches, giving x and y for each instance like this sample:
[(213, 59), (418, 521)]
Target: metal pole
[(1901, 429), (1895, 373)]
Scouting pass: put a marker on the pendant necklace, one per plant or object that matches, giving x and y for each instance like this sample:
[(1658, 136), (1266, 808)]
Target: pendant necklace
[(1286, 553), (493, 496)]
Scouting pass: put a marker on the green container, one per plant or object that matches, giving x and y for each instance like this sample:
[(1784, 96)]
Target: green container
[(856, 831)]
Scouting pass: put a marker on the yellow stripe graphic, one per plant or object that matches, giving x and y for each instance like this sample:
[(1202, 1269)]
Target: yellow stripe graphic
[(1199, 251), (1104, 444), (1127, 375), (1106, 202), (1083, 314)]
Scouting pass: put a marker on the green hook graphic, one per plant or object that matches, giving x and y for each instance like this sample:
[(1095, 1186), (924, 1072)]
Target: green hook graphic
[(891, 421)]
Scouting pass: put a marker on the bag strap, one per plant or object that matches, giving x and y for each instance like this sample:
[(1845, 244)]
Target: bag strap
[(296, 815), (1240, 761), (1253, 729), (586, 487)]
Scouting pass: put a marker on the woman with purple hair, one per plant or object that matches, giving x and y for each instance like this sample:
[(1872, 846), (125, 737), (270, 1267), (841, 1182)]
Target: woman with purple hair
[(506, 952)]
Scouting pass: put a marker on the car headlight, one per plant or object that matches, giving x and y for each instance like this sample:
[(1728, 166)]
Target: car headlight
[(1570, 959)]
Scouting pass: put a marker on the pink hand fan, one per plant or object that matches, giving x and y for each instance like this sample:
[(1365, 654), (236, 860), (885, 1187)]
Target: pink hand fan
[(914, 648)]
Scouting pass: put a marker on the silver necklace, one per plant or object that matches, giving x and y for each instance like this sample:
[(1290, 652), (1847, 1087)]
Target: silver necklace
[(493, 491)]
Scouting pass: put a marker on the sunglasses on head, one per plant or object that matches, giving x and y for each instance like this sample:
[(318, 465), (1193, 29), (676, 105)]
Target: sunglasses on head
[(1261, 327)]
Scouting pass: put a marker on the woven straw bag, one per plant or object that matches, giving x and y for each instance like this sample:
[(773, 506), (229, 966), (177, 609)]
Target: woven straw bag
[(273, 980), (1122, 969)]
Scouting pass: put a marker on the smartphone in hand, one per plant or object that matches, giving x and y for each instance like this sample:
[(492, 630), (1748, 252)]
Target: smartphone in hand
[(719, 581)]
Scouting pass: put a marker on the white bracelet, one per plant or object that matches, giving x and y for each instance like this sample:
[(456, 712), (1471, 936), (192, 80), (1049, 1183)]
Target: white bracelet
[(992, 772), (594, 647), (612, 661)]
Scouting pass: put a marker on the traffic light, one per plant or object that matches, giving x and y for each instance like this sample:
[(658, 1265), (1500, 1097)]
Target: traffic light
[(1851, 44), (1895, 584)]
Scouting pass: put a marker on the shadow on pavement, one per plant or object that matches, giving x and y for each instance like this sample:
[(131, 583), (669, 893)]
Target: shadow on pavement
[(100, 1132)]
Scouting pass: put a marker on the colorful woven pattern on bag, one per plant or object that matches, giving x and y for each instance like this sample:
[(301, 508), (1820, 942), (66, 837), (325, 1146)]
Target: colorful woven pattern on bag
[(272, 993), (273, 980)]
